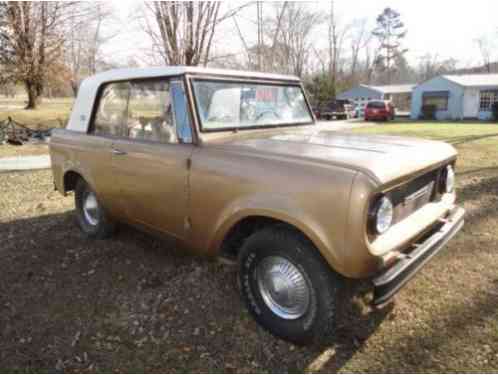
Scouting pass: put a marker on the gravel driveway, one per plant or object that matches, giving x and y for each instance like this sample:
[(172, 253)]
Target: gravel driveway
[(24, 163)]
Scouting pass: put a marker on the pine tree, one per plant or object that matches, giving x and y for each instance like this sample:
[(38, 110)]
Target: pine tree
[(390, 32)]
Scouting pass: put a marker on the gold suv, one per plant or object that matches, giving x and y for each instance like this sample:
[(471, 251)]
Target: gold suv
[(232, 164)]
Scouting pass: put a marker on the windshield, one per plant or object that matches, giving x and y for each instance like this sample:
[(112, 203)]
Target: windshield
[(376, 105), (235, 105)]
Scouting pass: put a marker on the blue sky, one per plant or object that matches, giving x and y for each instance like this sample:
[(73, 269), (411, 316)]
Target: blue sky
[(443, 27)]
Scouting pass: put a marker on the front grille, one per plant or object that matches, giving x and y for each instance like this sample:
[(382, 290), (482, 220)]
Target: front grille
[(414, 195)]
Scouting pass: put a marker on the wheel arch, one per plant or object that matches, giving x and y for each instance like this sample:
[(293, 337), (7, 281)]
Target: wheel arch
[(71, 177), (231, 235), (70, 180)]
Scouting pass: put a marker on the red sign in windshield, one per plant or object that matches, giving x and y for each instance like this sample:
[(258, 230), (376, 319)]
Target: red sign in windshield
[(265, 95)]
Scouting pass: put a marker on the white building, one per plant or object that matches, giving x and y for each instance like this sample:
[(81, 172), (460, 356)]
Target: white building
[(457, 97)]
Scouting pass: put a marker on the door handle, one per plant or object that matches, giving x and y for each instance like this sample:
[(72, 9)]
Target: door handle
[(115, 151)]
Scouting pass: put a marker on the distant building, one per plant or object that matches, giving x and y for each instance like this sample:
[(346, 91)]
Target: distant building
[(400, 95), (457, 97)]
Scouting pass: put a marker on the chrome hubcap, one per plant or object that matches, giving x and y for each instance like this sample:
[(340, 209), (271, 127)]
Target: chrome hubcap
[(283, 287), (91, 208)]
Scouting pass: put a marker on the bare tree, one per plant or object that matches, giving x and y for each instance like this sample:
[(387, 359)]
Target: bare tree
[(31, 39), (332, 59), (266, 55), (290, 33), (336, 37), (360, 38), (182, 32), (85, 37), (486, 47), (430, 66)]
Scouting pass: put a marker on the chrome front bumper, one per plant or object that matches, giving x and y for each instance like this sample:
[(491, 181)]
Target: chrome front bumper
[(390, 281)]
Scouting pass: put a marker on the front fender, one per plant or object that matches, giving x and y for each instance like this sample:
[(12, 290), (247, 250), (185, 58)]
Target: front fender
[(279, 208)]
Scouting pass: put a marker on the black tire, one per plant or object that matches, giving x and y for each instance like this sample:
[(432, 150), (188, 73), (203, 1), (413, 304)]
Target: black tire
[(317, 324), (104, 226)]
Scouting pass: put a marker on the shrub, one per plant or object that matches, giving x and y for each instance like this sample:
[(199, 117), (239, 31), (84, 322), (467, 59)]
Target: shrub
[(429, 112), (495, 111)]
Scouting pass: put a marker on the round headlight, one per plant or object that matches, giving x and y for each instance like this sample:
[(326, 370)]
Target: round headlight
[(450, 179), (382, 216)]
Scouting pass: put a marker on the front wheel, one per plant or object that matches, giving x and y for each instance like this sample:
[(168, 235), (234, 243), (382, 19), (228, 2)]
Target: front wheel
[(287, 286)]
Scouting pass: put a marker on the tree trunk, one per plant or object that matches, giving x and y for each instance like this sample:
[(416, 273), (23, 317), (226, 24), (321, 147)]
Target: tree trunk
[(33, 96), (74, 87)]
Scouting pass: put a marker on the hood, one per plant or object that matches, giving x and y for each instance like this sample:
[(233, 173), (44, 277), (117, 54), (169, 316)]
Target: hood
[(384, 158)]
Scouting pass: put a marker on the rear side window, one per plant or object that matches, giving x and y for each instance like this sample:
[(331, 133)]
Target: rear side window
[(376, 105), (153, 110), (150, 112), (112, 109)]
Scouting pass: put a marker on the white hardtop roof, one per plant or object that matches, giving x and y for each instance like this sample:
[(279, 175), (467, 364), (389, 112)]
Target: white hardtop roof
[(166, 71), (474, 80), (87, 93)]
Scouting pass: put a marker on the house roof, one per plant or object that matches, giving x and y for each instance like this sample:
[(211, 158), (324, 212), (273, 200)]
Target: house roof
[(394, 89), (382, 90), (474, 80)]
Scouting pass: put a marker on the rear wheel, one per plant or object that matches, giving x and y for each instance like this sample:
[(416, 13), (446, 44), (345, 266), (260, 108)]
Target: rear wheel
[(287, 286), (91, 216)]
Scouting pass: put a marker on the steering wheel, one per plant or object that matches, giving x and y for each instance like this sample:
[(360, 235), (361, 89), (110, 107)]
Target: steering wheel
[(270, 112), (222, 118)]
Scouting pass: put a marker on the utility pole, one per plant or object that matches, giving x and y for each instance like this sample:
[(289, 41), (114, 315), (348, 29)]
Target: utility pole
[(259, 8)]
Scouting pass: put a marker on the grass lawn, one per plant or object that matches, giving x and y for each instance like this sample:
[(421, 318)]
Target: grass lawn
[(134, 303), (49, 114), (477, 143)]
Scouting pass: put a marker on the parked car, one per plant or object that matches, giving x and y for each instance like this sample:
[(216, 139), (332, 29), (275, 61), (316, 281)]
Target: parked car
[(334, 109), (380, 110), (176, 151)]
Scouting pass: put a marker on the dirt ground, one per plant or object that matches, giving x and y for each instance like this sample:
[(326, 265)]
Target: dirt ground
[(139, 304)]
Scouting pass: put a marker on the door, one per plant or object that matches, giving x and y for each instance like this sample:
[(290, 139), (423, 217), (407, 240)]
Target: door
[(471, 103), (151, 161), (108, 123)]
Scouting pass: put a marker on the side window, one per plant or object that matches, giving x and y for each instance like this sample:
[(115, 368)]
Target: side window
[(111, 113), (150, 113)]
